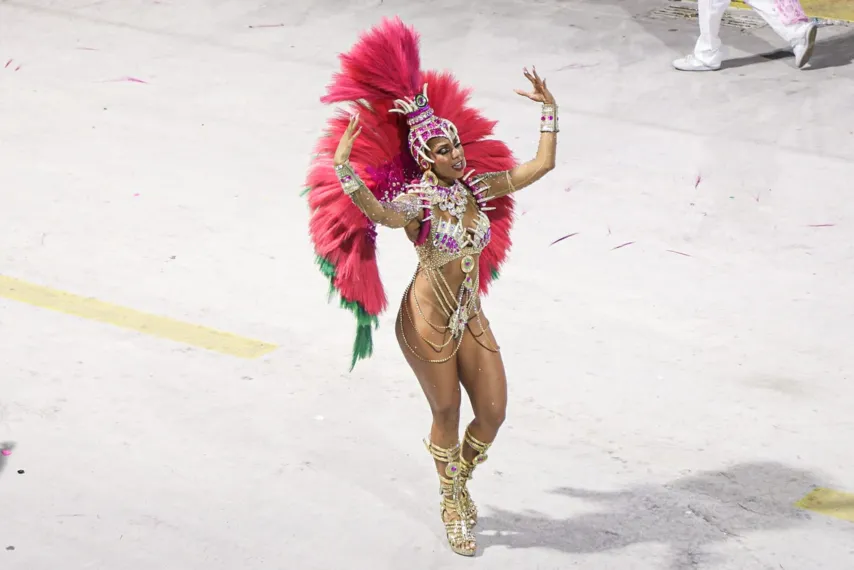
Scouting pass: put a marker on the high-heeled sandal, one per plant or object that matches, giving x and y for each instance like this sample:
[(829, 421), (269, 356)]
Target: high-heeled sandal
[(466, 472), (457, 530)]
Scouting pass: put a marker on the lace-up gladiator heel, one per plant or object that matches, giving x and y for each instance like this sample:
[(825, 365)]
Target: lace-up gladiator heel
[(457, 528), (467, 470)]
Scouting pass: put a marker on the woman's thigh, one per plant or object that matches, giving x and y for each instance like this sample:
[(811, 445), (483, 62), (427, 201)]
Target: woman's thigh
[(438, 379), (481, 370)]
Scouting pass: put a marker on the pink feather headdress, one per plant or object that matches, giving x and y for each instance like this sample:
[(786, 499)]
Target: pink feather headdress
[(381, 77)]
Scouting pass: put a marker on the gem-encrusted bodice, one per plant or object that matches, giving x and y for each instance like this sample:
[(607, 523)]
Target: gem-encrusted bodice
[(449, 237)]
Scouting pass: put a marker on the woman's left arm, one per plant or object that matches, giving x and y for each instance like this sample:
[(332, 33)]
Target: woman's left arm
[(507, 182)]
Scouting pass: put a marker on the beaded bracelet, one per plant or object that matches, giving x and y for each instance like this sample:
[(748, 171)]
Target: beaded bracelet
[(350, 181), (548, 119)]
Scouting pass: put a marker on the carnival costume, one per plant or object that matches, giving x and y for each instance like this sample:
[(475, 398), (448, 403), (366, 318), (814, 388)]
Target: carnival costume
[(401, 109)]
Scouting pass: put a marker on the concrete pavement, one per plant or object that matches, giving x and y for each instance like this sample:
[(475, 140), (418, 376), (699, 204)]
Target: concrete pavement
[(671, 400)]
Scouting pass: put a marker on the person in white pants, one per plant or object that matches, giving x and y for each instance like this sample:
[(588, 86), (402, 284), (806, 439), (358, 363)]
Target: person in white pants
[(786, 17)]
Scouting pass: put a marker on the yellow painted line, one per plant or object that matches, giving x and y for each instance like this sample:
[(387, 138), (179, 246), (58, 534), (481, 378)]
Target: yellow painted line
[(825, 9), (154, 325), (829, 502)]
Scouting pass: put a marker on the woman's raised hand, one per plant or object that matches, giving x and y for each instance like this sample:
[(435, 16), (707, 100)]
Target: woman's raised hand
[(345, 145), (541, 93)]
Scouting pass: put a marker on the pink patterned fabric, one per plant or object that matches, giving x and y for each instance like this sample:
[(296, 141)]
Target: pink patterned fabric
[(791, 11)]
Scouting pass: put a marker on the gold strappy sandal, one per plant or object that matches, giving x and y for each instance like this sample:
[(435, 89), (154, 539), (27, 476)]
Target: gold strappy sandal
[(466, 472), (458, 531)]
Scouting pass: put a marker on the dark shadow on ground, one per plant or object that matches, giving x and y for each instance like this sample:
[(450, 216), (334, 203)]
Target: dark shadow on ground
[(836, 51), (737, 62), (688, 514)]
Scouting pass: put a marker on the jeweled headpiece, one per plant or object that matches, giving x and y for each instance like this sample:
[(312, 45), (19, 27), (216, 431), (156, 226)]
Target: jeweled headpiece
[(424, 125)]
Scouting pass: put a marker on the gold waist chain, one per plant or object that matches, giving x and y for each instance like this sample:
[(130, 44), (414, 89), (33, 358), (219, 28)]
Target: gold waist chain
[(457, 309)]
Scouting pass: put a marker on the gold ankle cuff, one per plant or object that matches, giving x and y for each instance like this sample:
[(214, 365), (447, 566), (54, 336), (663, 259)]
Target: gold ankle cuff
[(450, 456), (480, 448)]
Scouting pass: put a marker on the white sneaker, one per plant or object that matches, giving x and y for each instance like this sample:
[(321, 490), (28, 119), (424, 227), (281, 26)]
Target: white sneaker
[(804, 48), (691, 63)]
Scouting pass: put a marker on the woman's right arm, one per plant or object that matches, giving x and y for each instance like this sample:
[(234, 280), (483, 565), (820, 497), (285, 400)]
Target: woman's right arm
[(398, 213), (403, 210)]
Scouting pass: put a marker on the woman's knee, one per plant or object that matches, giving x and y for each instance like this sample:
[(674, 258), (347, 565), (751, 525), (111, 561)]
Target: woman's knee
[(492, 416), (447, 414)]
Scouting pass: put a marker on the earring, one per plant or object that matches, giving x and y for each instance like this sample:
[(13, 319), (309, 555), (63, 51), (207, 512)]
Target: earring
[(430, 177)]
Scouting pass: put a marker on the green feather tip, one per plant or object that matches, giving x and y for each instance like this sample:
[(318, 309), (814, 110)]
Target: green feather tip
[(328, 271), (363, 346)]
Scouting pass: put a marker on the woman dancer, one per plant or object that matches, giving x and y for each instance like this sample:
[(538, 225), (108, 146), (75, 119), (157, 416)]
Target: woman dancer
[(413, 155)]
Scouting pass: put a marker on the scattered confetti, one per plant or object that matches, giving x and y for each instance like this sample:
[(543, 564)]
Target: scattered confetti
[(563, 238), (135, 195), (267, 26), (821, 225), (697, 181), (622, 245), (8, 63), (6, 452), (678, 252), (128, 79), (17, 68)]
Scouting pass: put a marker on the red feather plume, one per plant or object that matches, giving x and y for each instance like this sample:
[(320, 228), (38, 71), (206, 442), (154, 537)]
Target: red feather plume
[(384, 64)]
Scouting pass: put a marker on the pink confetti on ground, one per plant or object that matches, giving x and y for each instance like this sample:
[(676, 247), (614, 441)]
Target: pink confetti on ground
[(563, 238), (697, 181), (678, 252), (17, 68), (267, 26), (128, 79), (8, 63), (6, 452), (135, 195), (622, 245), (821, 225)]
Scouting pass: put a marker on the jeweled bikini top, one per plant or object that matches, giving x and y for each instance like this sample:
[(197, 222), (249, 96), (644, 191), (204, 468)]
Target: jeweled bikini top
[(449, 238)]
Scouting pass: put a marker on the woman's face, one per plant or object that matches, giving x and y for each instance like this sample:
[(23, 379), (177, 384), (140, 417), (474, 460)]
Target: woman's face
[(449, 161)]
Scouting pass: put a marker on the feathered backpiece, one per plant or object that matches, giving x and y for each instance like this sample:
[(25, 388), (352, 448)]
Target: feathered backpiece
[(381, 78)]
